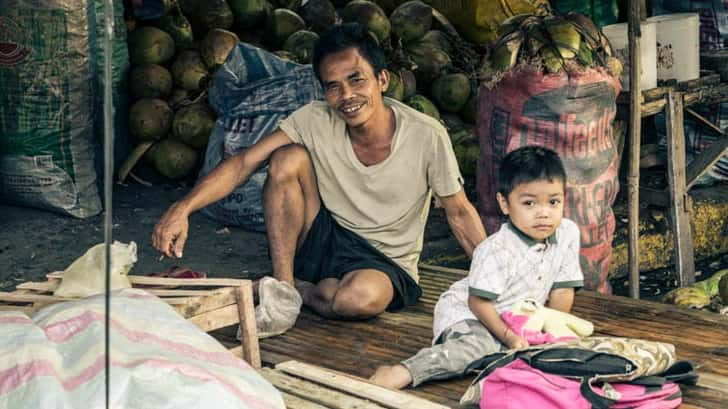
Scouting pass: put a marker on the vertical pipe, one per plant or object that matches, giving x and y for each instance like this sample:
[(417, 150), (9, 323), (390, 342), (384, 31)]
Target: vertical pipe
[(108, 185), (635, 119)]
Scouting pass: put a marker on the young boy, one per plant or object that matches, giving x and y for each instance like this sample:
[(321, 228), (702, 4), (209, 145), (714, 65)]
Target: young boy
[(535, 255)]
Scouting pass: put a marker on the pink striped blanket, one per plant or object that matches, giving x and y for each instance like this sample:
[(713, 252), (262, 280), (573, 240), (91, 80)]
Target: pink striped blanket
[(55, 360)]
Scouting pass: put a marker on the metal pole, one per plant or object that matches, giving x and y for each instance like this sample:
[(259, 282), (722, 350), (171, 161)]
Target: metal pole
[(108, 185), (635, 123)]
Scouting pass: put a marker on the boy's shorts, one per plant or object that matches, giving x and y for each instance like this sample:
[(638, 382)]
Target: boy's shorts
[(331, 251)]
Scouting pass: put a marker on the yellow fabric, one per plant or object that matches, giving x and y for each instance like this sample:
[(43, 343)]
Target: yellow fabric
[(386, 203), (478, 20)]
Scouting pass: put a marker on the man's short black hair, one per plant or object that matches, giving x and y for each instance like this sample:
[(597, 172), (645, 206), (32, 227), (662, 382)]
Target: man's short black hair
[(529, 164), (350, 35)]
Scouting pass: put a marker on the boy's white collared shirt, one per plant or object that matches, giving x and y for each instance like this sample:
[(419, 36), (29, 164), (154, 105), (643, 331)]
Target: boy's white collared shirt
[(508, 267)]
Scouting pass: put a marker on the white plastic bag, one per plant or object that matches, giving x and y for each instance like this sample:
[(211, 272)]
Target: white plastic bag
[(85, 276)]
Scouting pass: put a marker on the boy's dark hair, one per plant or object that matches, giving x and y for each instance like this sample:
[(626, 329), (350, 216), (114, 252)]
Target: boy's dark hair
[(529, 164), (349, 35)]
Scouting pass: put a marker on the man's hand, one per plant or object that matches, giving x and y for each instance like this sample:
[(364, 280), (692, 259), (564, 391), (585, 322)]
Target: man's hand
[(170, 233)]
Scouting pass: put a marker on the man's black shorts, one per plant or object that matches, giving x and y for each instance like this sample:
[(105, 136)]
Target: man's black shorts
[(331, 251)]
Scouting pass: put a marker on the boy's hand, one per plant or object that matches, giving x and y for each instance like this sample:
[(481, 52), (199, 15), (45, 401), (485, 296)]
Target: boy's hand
[(514, 341)]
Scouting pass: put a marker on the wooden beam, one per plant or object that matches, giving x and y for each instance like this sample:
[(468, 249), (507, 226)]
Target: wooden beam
[(701, 164), (315, 393), (386, 397), (635, 124), (294, 402), (248, 329), (679, 216), (216, 319), (193, 306)]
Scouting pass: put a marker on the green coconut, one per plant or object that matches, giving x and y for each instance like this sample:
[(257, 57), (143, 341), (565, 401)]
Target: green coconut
[(689, 297), (249, 13), (424, 105), (318, 14), (438, 39), (178, 97), (723, 289), (150, 45), (409, 83), (369, 15), (189, 7), (451, 91), (411, 20), (467, 156), (150, 119), (452, 121), (178, 27), (281, 24), (213, 14), (431, 61), (301, 45), (149, 81), (216, 46), (174, 159), (193, 124), (469, 111), (189, 71), (395, 89)]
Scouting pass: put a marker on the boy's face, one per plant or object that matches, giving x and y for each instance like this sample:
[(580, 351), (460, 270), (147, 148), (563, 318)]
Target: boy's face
[(351, 88), (535, 208)]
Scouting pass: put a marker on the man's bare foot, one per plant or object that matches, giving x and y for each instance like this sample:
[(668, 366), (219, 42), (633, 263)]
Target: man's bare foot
[(392, 377)]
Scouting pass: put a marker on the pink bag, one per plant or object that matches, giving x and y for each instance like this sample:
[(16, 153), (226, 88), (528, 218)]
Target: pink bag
[(520, 386)]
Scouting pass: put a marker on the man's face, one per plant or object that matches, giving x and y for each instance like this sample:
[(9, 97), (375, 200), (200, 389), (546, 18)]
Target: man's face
[(351, 88), (535, 208)]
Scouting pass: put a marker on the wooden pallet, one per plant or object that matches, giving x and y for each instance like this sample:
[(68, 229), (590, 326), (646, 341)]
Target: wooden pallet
[(214, 303), (306, 386)]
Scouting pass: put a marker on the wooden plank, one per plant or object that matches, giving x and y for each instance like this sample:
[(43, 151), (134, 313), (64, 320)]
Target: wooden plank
[(315, 393), (679, 216), (12, 297), (704, 121), (635, 128), (43, 287), (193, 306), (23, 309), (712, 381), (248, 329), (701, 164), (180, 293), (177, 282), (294, 402), (216, 319), (383, 396)]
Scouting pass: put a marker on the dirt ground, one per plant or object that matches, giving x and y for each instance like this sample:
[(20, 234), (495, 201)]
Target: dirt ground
[(35, 242)]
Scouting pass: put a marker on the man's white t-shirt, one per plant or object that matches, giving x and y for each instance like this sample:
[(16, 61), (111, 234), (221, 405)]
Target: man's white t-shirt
[(386, 203)]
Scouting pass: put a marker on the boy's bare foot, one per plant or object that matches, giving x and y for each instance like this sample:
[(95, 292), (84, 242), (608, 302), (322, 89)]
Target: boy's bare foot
[(392, 377)]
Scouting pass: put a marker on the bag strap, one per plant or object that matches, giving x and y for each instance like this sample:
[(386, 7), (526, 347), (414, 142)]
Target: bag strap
[(596, 400)]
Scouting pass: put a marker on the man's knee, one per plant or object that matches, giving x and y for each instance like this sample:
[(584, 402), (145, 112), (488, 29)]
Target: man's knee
[(353, 301), (287, 162)]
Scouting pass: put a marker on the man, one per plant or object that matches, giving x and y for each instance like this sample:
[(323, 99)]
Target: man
[(348, 190)]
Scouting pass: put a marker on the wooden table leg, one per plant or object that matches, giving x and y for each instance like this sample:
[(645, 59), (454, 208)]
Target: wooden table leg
[(679, 211), (248, 330)]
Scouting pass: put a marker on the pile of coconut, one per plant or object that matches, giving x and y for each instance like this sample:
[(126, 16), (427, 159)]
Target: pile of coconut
[(173, 58)]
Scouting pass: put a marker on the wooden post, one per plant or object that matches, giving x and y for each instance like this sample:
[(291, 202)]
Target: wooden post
[(635, 119), (248, 329), (679, 211)]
